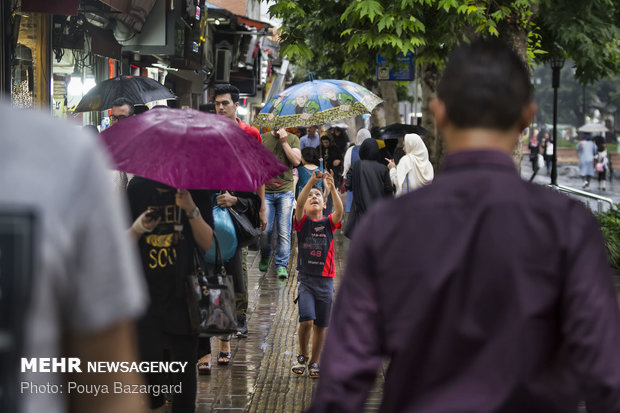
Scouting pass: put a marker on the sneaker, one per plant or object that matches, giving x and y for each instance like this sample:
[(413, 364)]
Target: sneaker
[(242, 326), (282, 273), (263, 264)]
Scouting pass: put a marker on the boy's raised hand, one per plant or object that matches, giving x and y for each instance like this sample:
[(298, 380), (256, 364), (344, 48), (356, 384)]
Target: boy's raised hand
[(329, 178), (317, 176)]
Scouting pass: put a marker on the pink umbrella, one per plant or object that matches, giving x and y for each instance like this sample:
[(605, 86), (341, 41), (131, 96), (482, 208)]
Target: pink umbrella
[(188, 149)]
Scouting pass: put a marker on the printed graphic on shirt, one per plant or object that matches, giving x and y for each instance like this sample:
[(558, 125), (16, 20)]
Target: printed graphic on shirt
[(162, 242), (316, 246)]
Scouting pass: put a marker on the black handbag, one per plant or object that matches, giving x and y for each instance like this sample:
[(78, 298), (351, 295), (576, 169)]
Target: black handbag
[(211, 297), (247, 233)]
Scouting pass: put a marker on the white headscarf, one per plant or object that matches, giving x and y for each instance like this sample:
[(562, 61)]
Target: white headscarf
[(414, 164), (362, 135)]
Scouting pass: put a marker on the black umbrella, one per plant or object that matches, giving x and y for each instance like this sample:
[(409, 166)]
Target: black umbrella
[(399, 130), (138, 89)]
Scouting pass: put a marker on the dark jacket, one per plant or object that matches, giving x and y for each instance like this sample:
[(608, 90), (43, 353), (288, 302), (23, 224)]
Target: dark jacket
[(369, 180)]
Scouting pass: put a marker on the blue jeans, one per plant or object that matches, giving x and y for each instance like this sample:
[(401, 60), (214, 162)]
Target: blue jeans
[(279, 206)]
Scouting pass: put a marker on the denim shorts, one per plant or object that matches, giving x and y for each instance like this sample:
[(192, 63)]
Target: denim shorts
[(315, 296)]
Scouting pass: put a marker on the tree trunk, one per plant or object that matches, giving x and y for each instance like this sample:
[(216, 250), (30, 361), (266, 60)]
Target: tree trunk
[(516, 37), (429, 74), (390, 104)]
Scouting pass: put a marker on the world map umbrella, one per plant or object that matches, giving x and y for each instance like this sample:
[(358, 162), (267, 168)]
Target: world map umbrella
[(188, 149), (138, 89), (316, 102)]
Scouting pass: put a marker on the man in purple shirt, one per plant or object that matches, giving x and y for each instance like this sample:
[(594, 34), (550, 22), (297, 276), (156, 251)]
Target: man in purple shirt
[(487, 293)]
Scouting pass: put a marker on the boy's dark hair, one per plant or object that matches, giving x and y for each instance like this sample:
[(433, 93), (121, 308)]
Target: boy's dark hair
[(315, 186), (310, 155), (207, 107), (485, 85), (223, 89), (122, 102)]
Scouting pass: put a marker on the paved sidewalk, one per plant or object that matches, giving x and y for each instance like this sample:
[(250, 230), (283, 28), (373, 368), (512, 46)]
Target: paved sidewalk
[(259, 379)]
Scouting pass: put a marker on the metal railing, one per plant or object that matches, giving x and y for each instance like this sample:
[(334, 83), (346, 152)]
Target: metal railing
[(589, 197)]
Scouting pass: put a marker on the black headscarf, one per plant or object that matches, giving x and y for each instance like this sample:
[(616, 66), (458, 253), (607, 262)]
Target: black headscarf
[(369, 180), (369, 150)]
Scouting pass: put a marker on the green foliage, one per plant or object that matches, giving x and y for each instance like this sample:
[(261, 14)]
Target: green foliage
[(610, 226), (341, 38)]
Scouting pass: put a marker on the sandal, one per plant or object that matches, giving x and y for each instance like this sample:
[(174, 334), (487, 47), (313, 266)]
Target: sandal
[(224, 358), (204, 368), (314, 370), (300, 368)]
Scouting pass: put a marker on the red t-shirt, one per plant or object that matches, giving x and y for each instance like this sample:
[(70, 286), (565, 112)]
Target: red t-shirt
[(251, 130), (315, 246)]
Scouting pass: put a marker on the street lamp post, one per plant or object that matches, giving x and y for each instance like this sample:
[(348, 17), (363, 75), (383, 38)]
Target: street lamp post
[(556, 64)]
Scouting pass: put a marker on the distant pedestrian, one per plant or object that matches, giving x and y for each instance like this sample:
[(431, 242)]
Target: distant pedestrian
[(586, 149), (309, 165), (414, 169), (449, 285), (316, 269), (340, 137), (279, 198), (350, 157), (311, 138), (369, 180), (534, 147), (602, 165), (547, 149), (122, 108)]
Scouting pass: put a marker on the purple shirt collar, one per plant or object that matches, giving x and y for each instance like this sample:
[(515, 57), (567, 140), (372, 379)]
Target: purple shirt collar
[(478, 158)]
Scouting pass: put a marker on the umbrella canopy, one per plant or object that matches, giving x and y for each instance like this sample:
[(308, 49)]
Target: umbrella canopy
[(593, 127), (316, 102), (138, 89), (188, 149), (399, 130)]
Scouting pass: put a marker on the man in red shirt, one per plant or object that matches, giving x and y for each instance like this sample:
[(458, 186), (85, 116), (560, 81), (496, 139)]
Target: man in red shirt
[(226, 100), (226, 104)]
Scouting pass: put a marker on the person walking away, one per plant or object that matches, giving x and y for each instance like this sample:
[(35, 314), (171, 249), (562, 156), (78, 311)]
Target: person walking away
[(183, 222), (547, 147), (447, 281), (369, 180), (586, 151), (350, 157), (279, 197), (315, 270), (534, 147), (602, 162), (85, 290), (309, 164), (414, 169)]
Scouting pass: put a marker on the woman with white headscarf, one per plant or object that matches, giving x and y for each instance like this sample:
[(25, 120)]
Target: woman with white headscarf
[(352, 156), (414, 169)]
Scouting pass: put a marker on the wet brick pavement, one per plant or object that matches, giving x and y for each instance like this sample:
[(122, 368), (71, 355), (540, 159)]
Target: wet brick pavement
[(259, 378)]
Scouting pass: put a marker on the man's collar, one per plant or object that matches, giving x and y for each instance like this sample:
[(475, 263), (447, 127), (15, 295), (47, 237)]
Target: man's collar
[(479, 157)]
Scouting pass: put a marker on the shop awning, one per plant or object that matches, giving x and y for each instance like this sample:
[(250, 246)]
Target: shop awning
[(67, 7), (252, 23)]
